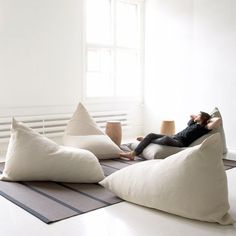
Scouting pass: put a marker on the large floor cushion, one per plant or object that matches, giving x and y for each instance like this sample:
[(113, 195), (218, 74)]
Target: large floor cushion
[(191, 183), (156, 151), (83, 132), (33, 157)]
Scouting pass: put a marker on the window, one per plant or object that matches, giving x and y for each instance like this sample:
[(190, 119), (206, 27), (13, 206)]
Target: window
[(113, 48)]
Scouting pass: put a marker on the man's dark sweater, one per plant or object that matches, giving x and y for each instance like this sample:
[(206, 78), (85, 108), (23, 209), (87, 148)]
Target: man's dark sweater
[(192, 132)]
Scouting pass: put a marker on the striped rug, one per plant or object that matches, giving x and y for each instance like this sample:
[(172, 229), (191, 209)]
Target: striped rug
[(53, 201)]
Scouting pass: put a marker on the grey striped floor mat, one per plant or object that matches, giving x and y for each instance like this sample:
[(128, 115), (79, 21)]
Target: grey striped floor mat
[(52, 201)]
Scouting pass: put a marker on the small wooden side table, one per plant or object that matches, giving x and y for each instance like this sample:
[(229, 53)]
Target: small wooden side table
[(167, 127), (114, 131)]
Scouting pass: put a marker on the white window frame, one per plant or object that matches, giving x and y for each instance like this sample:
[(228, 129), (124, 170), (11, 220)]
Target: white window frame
[(111, 99)]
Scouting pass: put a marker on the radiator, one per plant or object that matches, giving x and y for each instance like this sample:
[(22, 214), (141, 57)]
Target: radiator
[(54, 125)]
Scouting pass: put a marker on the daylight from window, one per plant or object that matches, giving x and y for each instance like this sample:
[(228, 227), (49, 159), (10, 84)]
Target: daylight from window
[(113, 48)]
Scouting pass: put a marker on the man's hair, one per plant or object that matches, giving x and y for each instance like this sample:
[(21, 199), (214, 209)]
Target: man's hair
[(204, 117)]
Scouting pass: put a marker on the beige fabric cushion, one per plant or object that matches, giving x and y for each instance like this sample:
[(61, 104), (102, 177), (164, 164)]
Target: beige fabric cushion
[(215, 113), (83, 132), (191, 183), (101, 145), (82, 123), (156, 151), (32, 157)]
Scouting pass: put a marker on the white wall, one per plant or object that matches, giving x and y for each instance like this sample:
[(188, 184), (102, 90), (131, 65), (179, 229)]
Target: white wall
[(190, 61), (41, 61), (40, 55)]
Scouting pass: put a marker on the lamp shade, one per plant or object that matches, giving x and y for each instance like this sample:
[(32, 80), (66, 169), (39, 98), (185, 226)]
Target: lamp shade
[(167, 127)]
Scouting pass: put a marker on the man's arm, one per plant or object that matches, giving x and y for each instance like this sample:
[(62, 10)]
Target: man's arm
[(192, 117), (191, 121), (214, 123)]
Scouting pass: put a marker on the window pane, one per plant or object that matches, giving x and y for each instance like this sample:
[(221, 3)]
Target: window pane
[(128, 73), (127, 24), (99, 72), (98, 21), (93, 60)]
